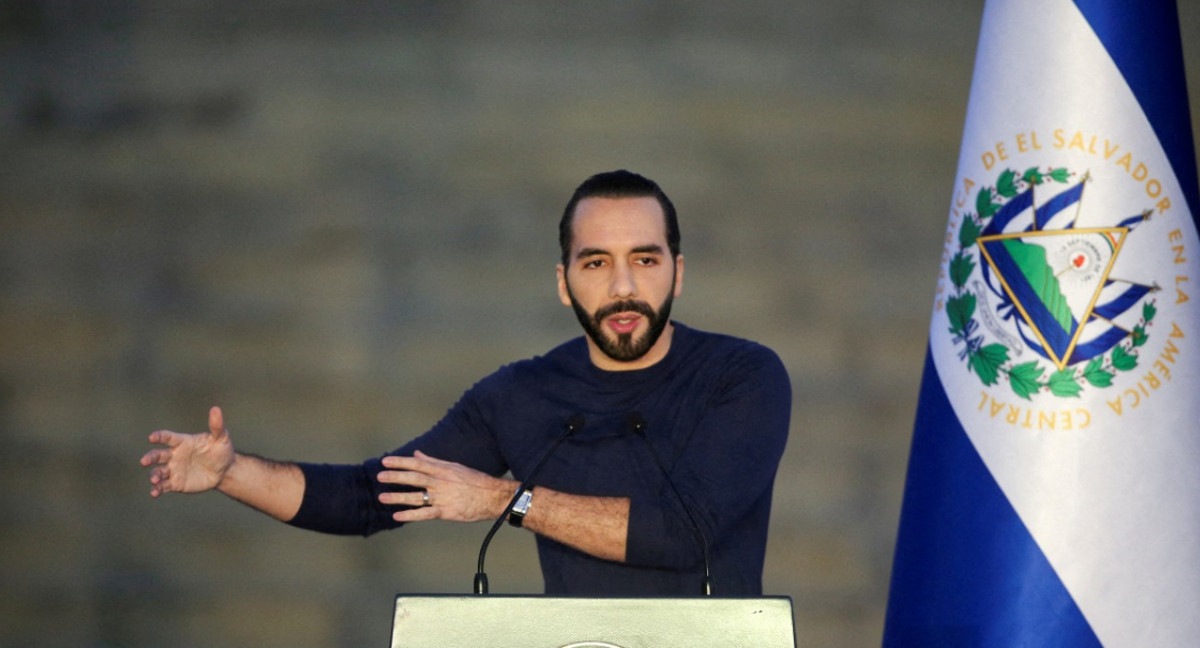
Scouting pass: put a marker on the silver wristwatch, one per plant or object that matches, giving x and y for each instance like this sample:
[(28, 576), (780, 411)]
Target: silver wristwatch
[(516, 516)]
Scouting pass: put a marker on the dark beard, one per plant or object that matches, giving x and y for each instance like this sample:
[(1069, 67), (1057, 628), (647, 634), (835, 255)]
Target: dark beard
[(624, 348)]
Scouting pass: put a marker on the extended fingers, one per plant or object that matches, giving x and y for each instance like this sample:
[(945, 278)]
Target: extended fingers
[(160, 475), (416, 514), (414, 463), (415, 499), (166, 437), (404, 477), (156, 456), (432, 460), (160, 481), (418, 461)]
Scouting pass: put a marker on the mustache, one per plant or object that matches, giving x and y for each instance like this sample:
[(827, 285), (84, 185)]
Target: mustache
[(625, 306)]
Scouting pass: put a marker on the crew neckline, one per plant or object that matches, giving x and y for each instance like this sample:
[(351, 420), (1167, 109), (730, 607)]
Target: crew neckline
[(678, 338)]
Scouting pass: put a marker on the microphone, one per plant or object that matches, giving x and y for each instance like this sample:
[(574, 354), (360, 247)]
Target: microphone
[(637, 423), (574, 423)]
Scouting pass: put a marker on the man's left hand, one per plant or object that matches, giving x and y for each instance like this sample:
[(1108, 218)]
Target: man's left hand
[(445, 490)]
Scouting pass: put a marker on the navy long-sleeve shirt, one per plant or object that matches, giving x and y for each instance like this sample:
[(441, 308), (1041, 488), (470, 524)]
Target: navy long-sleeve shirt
[(716, 408)]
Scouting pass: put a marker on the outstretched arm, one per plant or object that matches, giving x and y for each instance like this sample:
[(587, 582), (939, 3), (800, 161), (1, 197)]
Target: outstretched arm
[(194, 463), (594, 525)]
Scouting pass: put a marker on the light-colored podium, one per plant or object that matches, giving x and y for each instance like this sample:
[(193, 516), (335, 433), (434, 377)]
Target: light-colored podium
[(496, 621)]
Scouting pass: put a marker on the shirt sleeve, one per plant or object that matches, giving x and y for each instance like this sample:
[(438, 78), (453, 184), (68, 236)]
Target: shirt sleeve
[(343, 499), (725, 471)]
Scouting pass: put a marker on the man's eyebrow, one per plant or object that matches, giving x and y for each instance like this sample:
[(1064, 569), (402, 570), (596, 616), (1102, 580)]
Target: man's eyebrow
[(590, 252), (649, 248)]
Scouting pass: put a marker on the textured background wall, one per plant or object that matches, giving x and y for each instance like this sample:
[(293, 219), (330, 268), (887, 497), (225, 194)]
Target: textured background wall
[(331, 218)]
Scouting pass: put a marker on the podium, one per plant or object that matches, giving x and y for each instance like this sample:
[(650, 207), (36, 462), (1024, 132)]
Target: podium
[(528, 621)]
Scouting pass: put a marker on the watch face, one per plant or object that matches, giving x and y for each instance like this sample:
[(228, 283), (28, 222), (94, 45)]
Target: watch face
[(522, 505), (517, 514)]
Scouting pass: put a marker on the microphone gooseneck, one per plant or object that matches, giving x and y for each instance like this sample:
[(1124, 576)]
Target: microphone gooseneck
[(574, 423), (637, 423)]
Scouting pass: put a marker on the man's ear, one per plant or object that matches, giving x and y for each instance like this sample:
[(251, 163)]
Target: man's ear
[(678, 275), (561, 272)]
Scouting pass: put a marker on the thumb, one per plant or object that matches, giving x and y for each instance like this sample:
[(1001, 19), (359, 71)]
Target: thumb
[(216, 424)]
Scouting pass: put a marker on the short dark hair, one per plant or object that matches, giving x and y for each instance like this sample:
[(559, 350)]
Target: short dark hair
[(617, 184)]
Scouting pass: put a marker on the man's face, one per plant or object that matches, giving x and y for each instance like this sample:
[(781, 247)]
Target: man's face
[(620, 280)]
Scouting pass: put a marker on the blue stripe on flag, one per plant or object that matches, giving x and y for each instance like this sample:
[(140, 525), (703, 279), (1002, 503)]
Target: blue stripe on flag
[(967, 572), (1144, 42)]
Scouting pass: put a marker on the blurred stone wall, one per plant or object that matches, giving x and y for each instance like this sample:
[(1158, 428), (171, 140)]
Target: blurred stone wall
[(331, 218)]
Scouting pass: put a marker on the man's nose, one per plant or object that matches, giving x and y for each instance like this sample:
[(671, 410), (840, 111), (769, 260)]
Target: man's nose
[(623, 285)]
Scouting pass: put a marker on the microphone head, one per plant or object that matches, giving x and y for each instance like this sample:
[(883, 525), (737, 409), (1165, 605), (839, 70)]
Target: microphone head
[(575, 423), (637, 423)]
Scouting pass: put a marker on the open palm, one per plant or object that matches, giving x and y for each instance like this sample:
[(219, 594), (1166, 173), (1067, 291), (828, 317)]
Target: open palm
[(190, 463)]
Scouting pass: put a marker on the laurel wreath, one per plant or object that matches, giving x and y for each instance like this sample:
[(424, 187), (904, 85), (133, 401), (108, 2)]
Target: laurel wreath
[(991, 361)]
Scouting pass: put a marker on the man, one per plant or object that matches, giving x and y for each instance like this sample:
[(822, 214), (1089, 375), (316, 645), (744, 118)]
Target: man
[(607, 518)]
